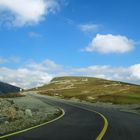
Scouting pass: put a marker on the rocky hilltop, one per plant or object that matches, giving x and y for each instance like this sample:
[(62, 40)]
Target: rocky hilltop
[(92, 89)]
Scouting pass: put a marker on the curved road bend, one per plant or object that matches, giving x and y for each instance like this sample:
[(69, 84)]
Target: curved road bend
[(80, 124)]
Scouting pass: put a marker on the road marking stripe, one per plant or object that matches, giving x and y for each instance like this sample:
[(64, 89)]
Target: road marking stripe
[(21, 131), (104, 129)]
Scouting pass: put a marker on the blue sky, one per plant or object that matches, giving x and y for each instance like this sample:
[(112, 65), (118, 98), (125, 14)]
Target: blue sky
[(69, 37)]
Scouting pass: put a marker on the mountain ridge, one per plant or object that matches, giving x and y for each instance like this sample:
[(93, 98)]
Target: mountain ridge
[(6, 88)]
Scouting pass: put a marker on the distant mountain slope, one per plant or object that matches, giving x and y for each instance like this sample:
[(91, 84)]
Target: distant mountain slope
[(7, 88), (92, 89)]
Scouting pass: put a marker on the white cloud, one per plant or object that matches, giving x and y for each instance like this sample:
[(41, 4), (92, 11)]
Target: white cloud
[(105, 71), (32, 74), (23, 77), (25, 12), (135, 70), (88, 27), (47, 65), (110, 44)]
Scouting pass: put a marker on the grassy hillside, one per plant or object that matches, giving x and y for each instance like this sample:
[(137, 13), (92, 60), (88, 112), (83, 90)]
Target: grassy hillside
[(92, 89)]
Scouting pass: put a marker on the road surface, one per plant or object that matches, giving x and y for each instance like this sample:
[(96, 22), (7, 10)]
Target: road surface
[(79, 123)]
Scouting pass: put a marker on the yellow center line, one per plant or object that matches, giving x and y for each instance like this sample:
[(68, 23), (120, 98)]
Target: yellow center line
[(104, 129)]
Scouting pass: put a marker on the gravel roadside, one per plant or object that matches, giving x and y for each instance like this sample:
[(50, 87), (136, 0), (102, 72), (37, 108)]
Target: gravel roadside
[(23, 112)]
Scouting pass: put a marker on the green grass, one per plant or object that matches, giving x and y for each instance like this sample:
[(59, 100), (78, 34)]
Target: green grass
[(118, 99), (92, 89)]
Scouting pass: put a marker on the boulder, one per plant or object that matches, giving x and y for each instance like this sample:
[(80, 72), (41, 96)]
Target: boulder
[(6, 122), (28, 113)]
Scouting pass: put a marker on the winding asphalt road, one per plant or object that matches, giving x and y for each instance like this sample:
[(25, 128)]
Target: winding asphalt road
[(79, 123)]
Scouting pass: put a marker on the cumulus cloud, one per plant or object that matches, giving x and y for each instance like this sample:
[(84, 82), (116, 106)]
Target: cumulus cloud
[(26, 12), (88, 27), (46, 65), (106, 71), (24, 77), (32, 74), (135, 70), (36, 74), (110, 44)]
